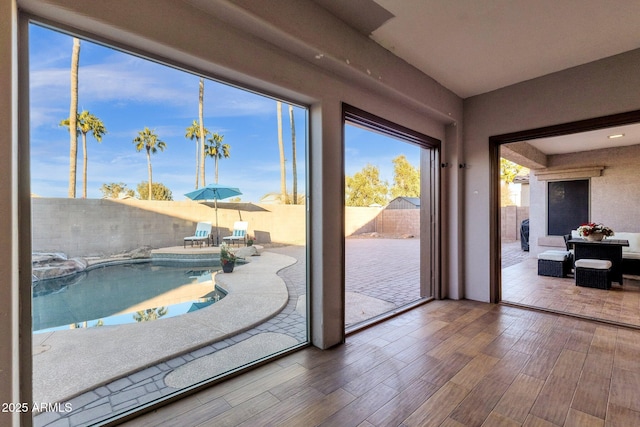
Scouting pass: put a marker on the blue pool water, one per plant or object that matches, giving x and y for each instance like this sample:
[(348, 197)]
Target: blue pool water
[(105, 295)]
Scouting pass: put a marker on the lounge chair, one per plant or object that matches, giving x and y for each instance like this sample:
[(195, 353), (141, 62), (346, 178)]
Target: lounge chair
[(203, 230), (239, 232)]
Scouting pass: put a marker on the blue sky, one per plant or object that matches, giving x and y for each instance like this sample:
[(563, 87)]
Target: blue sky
[(128, 93)]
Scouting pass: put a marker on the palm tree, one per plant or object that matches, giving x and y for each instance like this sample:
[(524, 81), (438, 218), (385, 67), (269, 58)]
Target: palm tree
[(283, 173), (294, 165), (202, 134), (73, 113), (150, 314), (148, 140), (217, 150), (86, 122), (193, 132)]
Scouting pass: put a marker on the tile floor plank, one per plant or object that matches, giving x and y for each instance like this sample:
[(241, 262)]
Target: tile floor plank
[(576, 418), (475, 371), (498, 420), (438, 407), (459, 363), (517, 401), (554, 400), (357, 411), (592, 395), (264, 384), (283, 410), (479, 403), (403, 405), (625, 386), (239, 413), (320, 410), (621, 416)]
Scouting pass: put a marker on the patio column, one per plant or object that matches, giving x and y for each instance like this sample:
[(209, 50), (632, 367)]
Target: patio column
[(327, 225)]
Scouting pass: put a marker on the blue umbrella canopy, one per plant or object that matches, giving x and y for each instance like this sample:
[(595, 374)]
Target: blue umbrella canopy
[(214, 192)]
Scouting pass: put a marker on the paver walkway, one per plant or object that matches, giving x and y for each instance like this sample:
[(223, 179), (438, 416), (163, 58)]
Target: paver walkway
[(387, 269), (513, 254)]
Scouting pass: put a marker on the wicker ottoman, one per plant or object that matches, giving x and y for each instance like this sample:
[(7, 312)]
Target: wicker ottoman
[(593, 273), (554, 263)]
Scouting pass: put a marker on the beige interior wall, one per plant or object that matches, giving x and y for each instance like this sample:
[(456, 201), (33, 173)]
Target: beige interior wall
[(600, 88)]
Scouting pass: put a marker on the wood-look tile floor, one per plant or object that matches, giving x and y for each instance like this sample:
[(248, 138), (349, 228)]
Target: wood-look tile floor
[(522, 285), (446, 363)]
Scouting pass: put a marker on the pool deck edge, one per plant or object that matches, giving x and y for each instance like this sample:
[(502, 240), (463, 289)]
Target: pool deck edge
[(70, 362)]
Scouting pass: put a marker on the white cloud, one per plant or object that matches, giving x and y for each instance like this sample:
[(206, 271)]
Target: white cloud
[(124, 80)]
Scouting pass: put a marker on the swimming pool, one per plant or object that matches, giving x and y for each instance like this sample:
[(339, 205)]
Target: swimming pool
[(123, 293)]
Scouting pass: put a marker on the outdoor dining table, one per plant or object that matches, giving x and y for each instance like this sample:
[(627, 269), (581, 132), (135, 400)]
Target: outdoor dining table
[(607, 249)]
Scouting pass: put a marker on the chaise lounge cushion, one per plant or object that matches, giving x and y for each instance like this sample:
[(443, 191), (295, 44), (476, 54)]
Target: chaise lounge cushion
[(201, 235)]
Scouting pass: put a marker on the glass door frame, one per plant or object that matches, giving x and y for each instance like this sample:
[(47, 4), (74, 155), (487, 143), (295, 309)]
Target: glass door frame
[(430, 195)]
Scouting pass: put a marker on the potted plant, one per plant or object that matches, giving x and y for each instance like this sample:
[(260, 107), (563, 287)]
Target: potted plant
[(227, 258), (593, 231)]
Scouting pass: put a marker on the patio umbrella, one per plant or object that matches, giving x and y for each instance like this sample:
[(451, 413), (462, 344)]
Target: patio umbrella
[(214, 192)]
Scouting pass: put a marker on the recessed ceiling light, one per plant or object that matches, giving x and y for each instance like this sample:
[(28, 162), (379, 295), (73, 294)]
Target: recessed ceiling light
[(617, 135)]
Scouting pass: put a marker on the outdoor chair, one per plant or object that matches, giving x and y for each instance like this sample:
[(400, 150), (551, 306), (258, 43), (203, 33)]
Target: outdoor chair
[(203, 230), (239, 232)]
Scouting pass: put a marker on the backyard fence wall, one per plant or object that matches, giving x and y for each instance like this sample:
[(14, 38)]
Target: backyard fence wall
[(98, 227), (90, 227), (384, 221), (510, 219), (359, 220), (400, 222)]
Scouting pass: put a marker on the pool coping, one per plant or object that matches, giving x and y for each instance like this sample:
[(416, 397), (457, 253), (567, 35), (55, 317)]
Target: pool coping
[(72, 362)]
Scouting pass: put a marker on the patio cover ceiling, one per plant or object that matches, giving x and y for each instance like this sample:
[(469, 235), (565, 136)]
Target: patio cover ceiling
[(473, 47)]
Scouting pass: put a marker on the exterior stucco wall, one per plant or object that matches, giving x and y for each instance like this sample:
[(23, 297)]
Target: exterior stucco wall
[(600, 88), (613, 198)]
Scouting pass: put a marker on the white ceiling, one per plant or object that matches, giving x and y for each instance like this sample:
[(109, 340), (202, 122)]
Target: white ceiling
[(477, 46), (587, 141), (473, 47)]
